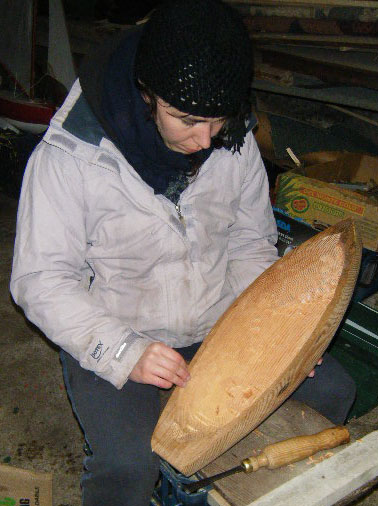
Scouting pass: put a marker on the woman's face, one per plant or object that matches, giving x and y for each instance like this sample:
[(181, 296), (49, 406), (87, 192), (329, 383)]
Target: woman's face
[(183, 132)]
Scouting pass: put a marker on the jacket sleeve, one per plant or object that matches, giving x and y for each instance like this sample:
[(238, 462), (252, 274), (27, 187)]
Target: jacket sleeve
[(49, 266), (253, 235)]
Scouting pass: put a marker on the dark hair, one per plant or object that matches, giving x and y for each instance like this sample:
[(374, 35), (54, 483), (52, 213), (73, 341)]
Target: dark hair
[(221, 140)]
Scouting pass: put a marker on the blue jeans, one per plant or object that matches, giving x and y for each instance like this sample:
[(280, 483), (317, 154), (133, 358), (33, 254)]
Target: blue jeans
[(121, 469), (331, 392)]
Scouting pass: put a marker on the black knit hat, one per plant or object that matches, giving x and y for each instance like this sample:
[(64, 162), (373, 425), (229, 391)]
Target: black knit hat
[(196, 56)]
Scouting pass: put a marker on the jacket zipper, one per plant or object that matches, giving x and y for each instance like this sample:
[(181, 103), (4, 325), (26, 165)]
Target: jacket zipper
[(181, 217)]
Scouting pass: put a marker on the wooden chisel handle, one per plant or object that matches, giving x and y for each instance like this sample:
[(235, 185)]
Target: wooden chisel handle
[(296, 448)]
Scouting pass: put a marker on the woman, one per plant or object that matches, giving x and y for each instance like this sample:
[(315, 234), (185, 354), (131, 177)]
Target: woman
[(144, 213)]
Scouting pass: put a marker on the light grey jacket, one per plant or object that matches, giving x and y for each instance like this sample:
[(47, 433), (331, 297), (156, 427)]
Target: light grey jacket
[(104, 267)]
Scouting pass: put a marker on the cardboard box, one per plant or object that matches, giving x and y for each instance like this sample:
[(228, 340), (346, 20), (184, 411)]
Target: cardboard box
[(22, 487), (317, 193), (293, 232)]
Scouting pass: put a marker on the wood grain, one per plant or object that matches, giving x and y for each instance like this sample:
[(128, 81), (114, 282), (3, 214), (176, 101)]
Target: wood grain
[(261, 349), (292, 418)]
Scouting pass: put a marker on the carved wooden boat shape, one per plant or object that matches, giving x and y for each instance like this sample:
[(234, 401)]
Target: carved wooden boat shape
[(261, 349)]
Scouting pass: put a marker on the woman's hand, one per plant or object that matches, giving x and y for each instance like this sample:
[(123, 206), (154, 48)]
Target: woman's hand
[(161, 366), (312, 373)]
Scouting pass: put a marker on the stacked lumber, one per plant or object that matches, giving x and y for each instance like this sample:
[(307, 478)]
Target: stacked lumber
[(335, 41)]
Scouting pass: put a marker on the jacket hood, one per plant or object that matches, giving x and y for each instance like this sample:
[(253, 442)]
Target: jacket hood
[(108, 84), (92, 75)]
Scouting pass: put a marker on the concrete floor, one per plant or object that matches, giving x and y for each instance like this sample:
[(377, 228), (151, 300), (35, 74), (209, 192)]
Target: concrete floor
[(38, 429)]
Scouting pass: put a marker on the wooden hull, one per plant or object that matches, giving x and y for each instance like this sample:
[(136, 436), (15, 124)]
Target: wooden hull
[(260, 350)]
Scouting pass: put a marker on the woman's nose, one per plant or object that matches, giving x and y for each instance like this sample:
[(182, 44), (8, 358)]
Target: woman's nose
[(203, 135)]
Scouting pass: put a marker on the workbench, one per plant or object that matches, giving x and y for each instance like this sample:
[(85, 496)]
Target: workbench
[(320, 480), (327, 478)]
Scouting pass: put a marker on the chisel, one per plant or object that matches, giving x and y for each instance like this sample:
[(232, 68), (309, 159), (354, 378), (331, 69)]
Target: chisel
[(282, 453)]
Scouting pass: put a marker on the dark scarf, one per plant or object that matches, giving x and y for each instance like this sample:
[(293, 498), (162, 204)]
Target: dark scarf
[(136, 134)]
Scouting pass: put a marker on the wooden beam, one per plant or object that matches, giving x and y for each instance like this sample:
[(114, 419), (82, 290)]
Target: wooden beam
[(331, 480), (296, 25), (361, 117), (292, 419), (359, 493), (329, 72), (368, 4), (351, 41)]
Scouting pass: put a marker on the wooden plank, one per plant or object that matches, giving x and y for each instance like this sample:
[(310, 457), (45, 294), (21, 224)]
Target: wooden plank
[(293, 418), (354, 41), (322, 67), (361, 117), (348, 96), (260, 350), (284, 486), (368, 4), (352, 60), (300, 11), (359, 493), (331, 480), (296, 25)]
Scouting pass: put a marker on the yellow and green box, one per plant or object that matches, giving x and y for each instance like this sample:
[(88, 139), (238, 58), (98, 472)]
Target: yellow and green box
[(315, 194)]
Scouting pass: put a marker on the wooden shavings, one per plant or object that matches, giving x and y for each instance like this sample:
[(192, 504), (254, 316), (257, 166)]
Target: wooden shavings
[(317, 460)]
